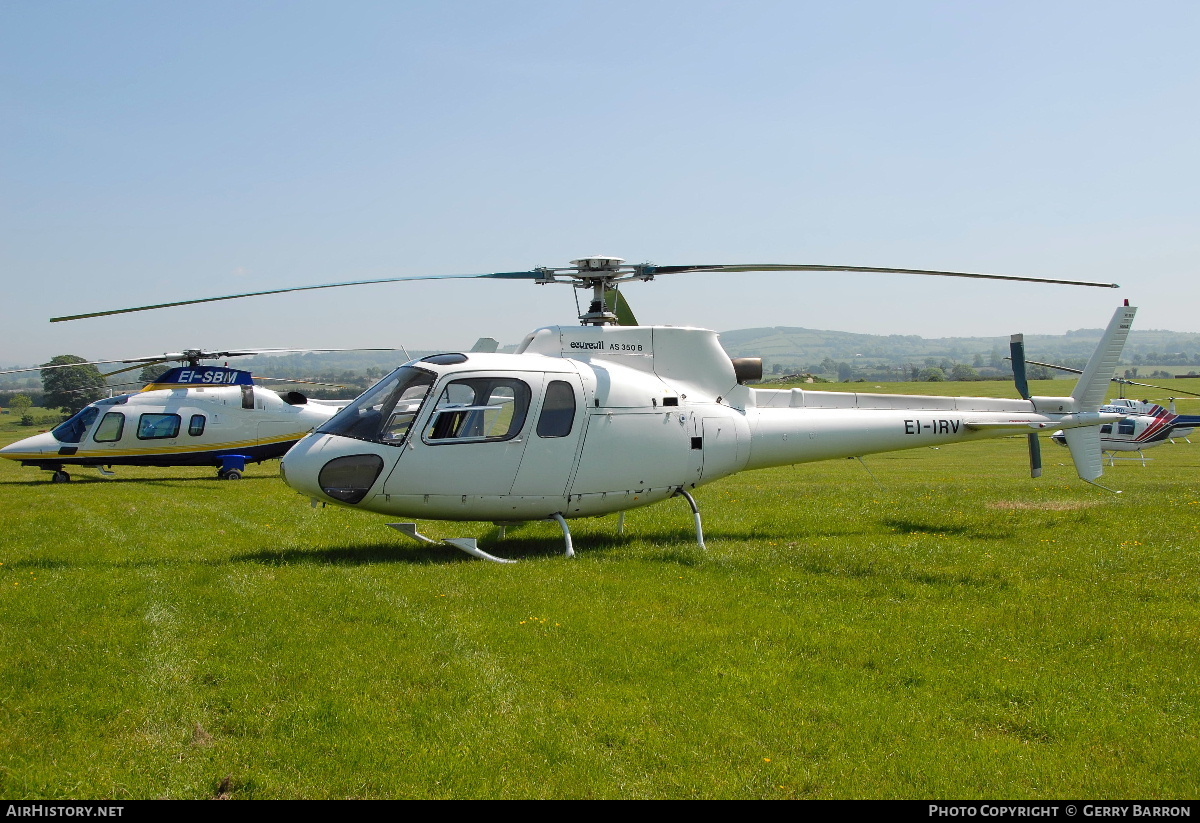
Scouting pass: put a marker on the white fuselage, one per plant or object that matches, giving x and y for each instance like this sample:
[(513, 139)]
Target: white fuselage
[(652, 410), (174, 427)]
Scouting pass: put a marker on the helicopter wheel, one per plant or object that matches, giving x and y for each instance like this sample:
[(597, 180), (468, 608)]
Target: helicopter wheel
[(60, 476), (232, 474)]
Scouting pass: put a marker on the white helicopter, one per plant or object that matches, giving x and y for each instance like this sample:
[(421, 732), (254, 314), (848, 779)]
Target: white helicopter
[(192, 415), (588, 420)]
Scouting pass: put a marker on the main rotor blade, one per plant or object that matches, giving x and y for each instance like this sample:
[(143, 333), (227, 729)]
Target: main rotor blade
[(514, 275), (645, 272), (871, 270)]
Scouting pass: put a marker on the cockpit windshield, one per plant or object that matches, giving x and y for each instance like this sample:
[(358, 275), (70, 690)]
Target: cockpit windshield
[(384, 413), (73, 430)]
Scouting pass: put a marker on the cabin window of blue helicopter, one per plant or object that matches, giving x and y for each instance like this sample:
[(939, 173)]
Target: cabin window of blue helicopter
[(196, 425), (110, 428), (1106, 428), (158, 426), (72, 430), (479, 409), (558, 410), (1125, 427)]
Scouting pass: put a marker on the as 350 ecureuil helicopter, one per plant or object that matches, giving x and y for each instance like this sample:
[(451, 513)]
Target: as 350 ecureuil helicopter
[(588, 420), (191, 415)]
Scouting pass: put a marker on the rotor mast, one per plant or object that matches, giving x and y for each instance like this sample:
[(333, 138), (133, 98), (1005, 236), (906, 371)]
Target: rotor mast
[(600, 273)]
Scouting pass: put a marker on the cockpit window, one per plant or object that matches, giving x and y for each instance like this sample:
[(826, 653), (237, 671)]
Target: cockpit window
[(384, 413), (73, 430), (477, 409)]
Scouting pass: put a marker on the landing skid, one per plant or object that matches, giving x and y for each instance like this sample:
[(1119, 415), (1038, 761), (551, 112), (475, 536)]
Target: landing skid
[(470, 545), (1141, 458)]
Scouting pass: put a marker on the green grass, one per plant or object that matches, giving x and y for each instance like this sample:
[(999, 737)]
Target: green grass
[(954, 630)]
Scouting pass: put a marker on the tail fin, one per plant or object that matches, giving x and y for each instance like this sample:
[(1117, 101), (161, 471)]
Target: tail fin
[(1092, 387), (1090, 392)]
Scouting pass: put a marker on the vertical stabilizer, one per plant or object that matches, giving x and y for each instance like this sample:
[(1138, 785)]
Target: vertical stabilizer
[(1092, 387), (1091, 390)]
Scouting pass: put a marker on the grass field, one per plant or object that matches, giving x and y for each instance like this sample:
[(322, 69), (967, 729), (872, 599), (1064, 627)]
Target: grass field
[(942, 627)]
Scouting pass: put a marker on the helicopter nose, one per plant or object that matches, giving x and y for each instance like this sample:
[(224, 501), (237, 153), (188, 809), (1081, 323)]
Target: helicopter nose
[(340, 469), (39, 445)]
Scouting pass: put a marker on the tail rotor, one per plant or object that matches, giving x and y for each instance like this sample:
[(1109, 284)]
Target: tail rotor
[(1016, 347)]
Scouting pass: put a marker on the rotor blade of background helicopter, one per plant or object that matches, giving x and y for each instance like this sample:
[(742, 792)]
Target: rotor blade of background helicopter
[(93, 388), (141, 365), (1115, 379), (216, 355), (1152, 386), (515, 275), (87, 363), (168, 357), (869, 270), (305, 382)]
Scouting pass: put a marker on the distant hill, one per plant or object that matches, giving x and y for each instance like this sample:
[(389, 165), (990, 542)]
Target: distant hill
[(793, 349), (800, 349)]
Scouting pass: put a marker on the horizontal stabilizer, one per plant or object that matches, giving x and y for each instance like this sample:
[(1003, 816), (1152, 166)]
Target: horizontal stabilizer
[(1015, 425)]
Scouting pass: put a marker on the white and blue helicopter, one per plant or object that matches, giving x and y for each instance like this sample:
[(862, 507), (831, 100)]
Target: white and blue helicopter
[(605, 416), (191, 415)]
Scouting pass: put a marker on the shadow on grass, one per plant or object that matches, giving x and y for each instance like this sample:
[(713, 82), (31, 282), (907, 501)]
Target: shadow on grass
[(77, 480), (365, 555), (509, 548), (905, 525)]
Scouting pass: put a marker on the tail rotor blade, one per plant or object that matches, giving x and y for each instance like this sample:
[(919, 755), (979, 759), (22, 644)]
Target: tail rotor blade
[(1035, 456), (620, 307), (1016, 347)]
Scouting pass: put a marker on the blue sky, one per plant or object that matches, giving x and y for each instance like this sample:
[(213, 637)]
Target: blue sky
[(168, 150)]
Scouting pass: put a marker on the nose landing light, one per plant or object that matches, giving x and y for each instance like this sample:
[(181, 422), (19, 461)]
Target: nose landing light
[(348, 479)]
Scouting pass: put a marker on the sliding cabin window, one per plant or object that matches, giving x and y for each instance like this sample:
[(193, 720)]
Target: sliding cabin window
[(479, 409), (158, 426), (558, 410)]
